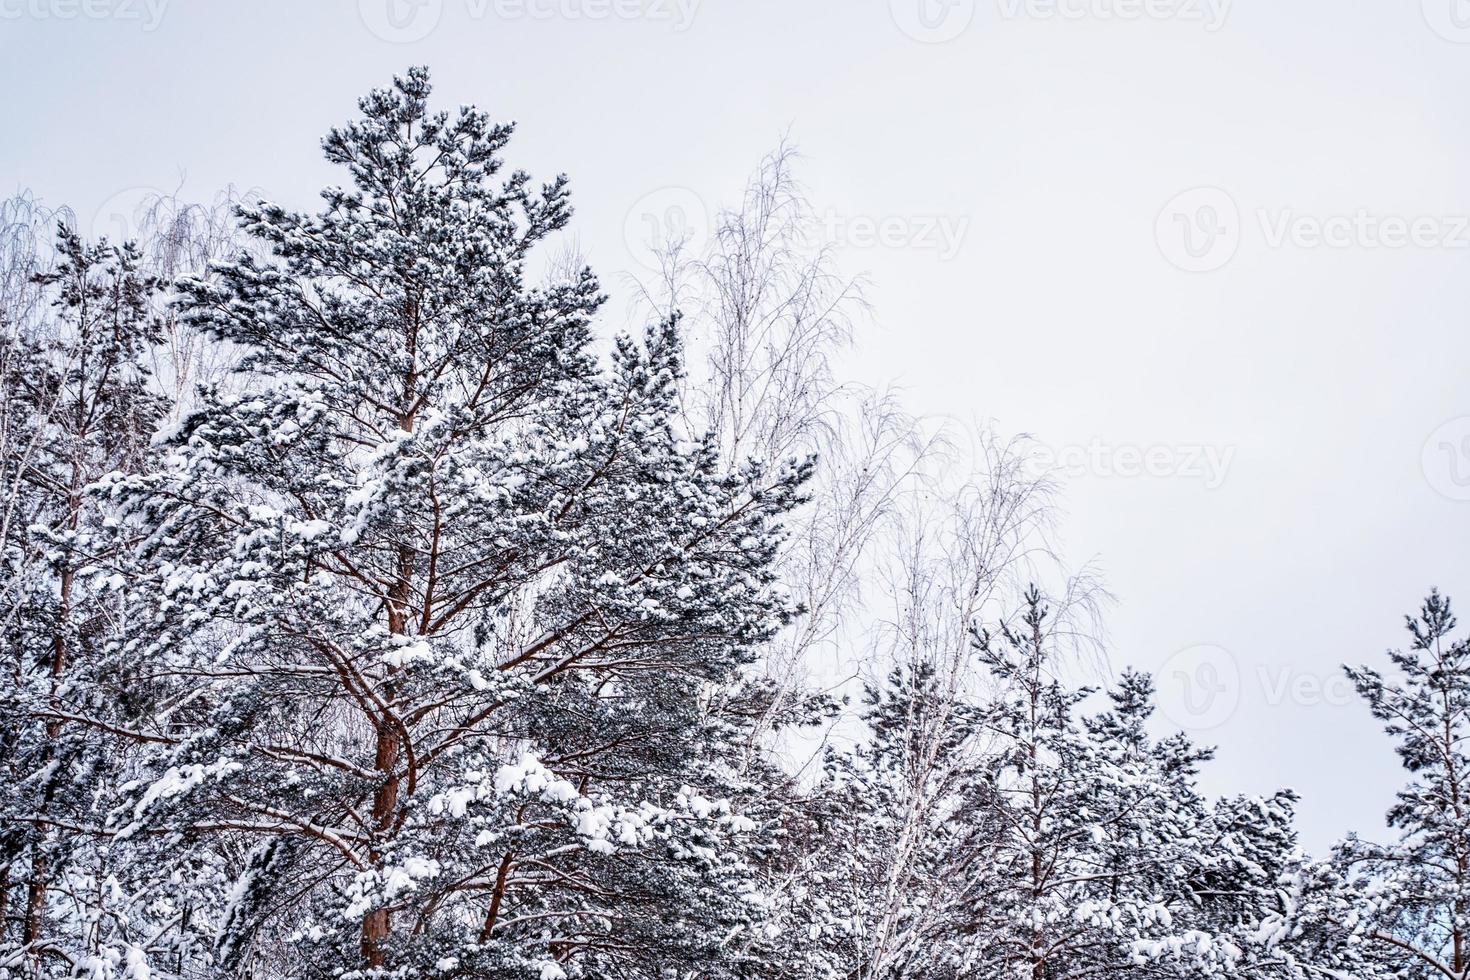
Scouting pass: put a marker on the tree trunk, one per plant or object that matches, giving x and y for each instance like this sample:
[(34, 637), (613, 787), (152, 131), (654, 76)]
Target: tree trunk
[(378, 923), (35, 919)]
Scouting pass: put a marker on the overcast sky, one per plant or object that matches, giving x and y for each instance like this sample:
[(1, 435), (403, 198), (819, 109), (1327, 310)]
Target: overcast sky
[(1215, 255)]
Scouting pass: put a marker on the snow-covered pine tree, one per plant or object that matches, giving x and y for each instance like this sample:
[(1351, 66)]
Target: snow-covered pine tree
[(1402, 909), (454, 595), (1088, 849), (77, 404), (1031, 903), (1215, 867)]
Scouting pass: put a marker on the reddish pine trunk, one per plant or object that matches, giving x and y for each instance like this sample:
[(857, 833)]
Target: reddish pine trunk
[(378, 924)]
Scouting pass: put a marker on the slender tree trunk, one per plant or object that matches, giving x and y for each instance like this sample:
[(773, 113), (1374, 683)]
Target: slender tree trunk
[(378, 923), (35, 917), (1462, 862), (36, 897), (4, 900), (1038, 961)]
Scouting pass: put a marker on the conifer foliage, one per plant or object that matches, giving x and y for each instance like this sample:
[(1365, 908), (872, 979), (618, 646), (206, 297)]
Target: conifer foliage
[(1402, 908), (453, 593), (77, 406), (436, 638), (1031, 839)]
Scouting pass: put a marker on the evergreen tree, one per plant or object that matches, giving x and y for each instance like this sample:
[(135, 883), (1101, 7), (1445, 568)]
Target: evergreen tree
[(438, 641), (456, 598), (1034, 840), (1402, 909), (78, 405), (1100, 855)]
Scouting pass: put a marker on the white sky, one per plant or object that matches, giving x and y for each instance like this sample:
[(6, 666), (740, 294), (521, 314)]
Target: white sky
[(1023, 169)]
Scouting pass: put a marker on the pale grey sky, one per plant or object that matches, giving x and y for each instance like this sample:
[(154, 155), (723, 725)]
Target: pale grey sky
[(1215, 254)]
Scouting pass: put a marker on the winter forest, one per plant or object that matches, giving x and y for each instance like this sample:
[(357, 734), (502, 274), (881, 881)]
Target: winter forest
[(372, 608)]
